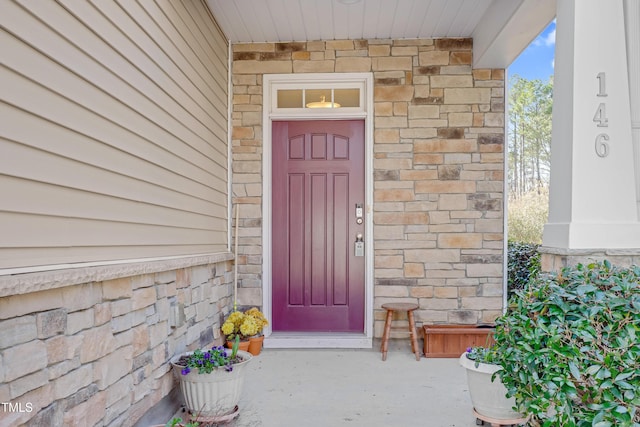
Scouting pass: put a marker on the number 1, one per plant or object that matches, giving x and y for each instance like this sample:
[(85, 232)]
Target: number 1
[(602, 84)]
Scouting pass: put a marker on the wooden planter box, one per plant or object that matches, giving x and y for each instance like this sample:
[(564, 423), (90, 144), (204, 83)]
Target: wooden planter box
[(453, 340)]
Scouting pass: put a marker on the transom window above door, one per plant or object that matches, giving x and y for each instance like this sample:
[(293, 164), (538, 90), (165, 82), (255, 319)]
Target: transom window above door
[(318, 98), (318, 95)]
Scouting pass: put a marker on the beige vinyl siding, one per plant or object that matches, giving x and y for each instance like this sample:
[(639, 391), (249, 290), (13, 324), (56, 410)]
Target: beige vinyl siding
[(113, 131)]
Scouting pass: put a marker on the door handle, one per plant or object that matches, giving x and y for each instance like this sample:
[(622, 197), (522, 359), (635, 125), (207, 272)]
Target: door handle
[(359, 245)]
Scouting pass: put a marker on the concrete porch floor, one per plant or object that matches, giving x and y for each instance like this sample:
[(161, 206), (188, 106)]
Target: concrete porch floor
[(326, 387)]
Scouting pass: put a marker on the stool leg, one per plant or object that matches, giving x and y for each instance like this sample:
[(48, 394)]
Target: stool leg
[(385, 336), (412, 334)]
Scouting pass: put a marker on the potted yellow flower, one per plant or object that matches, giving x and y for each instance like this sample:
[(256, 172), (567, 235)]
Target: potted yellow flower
[(248, 327), (257, 339)]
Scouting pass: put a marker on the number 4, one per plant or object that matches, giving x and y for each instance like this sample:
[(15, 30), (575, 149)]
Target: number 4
[(601, 116)]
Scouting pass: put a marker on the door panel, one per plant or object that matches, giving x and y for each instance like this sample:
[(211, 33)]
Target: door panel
[(318, 177)]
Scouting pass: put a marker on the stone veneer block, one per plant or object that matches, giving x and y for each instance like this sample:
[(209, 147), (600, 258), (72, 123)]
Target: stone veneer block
[(429, 59), (432, 255), (445, 146), (18, 330), (117, 288), (460, 58), (451, 81), (404, 51), (352, 65), (393, 93), (424, 112), (467, 96), (143, 297), (402, 218), (379, 50), (96, 343), (326, 66), (254, 47), (392, 63), (414, 270), (482, 74), (445, 187), (24, 359), (460, 240), (453, 44), (260, 67), (339, 44)]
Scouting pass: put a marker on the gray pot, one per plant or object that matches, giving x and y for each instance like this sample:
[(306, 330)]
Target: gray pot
[(488, 398), (215, 394)]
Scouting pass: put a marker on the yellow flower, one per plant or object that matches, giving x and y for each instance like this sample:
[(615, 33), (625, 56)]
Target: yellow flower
[(236, 318), (244, 324), (258, 317), (228, 328), (249, 327)]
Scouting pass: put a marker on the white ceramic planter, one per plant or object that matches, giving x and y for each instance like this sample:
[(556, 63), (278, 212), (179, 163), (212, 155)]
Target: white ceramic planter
[(488, 398), (215, 394)]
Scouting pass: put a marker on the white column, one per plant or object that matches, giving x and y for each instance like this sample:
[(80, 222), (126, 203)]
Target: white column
[(592, 189), (632, 27)]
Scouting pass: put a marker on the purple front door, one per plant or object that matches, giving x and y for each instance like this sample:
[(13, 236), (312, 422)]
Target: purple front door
[(318, 178)]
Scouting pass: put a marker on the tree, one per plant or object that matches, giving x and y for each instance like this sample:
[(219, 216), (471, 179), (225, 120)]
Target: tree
[(530, 105)]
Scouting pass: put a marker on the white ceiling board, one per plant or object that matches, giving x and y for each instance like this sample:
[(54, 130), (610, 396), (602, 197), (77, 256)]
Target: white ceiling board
[(445, 24), (372, 16), (414, 19), (434, 14), (496, 32)]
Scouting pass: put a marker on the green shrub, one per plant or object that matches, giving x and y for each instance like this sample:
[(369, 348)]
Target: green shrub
[(523, 264), (569, 346)]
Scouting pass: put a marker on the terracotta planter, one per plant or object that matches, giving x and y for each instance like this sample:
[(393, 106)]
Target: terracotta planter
[(216, 394), (242, 345), (453, 340), (489, 398), (255, 345)]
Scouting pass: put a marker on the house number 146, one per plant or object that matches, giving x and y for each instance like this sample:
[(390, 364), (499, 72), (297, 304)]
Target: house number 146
[(602, 140)]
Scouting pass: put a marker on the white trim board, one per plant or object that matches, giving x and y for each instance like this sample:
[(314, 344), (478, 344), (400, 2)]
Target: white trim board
[(270, 84), (317, 340)]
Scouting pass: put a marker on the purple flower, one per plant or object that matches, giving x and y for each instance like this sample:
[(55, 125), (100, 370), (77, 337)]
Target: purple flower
[(207, 355), (186, 371), (468, 349)]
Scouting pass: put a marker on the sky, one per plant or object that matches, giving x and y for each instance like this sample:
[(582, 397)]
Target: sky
[(536, 61)]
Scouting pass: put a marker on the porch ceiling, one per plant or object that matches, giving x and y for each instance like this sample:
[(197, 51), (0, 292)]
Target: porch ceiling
[(501, 29)]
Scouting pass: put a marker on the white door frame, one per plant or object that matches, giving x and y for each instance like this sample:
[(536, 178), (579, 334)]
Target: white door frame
[(271, 82)]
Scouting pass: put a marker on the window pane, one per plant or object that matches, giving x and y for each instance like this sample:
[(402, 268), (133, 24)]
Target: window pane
[(290, 98), (347, 97)]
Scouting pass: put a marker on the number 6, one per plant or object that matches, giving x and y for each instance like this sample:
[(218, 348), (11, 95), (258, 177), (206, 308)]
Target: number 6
[(602, 148)]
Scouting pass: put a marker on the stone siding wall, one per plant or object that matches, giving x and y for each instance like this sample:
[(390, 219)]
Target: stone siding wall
[(438, 179), (98, 353), (553, 260)]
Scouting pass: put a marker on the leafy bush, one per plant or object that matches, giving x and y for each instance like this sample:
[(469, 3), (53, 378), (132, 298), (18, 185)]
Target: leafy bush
[(570, 347), (527, 215), (523, 264)]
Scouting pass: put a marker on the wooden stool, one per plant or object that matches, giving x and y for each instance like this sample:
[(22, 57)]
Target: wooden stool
[(391, 308)]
